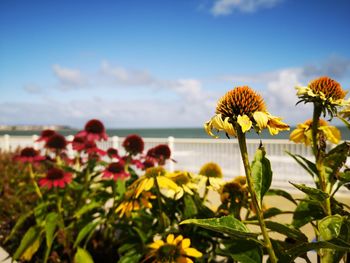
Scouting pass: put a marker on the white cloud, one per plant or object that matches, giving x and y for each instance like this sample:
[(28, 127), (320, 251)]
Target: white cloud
[(67, 77), (226, 7)]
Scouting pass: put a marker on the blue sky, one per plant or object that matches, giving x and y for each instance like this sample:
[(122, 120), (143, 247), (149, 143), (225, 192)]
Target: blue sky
[(163, 63)]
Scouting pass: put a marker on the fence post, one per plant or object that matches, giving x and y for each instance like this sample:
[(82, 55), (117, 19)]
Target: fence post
[(171, 144), (35, 143), (115, 142), (6, 142), (70, 151)]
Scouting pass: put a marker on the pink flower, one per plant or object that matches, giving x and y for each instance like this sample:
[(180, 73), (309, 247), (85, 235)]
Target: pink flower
[(29, 155), (94, 131), (55, 177), (113, 153), (133, 144), (116, 171), (45, 135), (160, 153)]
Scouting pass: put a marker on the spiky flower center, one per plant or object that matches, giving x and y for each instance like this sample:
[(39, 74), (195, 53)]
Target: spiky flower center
[(29, 152), (133, 144), (163, 151), (329, 87), (168, 253), (56, 141), (240, 101), (55, 174), (211, 170), (115, 168), (182, 179), (94, 126)]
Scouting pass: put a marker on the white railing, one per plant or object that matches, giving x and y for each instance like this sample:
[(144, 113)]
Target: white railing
[(191, 154)]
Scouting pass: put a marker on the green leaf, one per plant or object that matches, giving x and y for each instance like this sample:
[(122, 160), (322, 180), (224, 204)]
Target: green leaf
[(313, 193), (86, 208), (282, 193), (29, 239), (85, 231), (330, 226), (261, 174), (307, 211), (309, 166), (50, 227), (243, 251), (21, 220), (190, 209), (121, 186), (131, 257), (335, 159), (82, 256), (226, 224), (286, 230)]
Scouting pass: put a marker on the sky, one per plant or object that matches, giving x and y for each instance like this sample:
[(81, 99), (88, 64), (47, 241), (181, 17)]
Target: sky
[(163, 63)]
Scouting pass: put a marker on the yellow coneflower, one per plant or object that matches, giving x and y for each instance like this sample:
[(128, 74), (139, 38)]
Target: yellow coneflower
[(324, 91), (303, 132), (173, 250), (146, 182), (185, 183), (131, 203), (345, 113), (234, 191), (211, 175), (242, 106)]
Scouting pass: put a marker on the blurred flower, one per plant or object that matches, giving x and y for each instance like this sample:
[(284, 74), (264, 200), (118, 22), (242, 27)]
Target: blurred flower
[(146, 182), (243, 108), (115, 170), (45, 135), (29, 155), (174, 250), (113, 153), (78, 143), (233, 191), (55, 177), (94, 131), (303, 132), (184, 182), (345, 113), (131, 204), (160, 153), (324, 91), (56, 142), (211, 170), (133, 144)]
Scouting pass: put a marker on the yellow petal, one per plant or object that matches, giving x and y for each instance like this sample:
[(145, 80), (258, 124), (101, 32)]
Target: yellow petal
[(244, 122), (228, 127), (149, 184), (192, 252), (275, 125), (178, 239), (261, 119), (165, 182), (170, 239), (208, 128), (332, 133), (157, 244), (297, 136), (186, 243)]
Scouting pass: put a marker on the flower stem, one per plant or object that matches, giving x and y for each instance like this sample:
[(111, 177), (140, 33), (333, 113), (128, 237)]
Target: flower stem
[(162, 222), (32, 177), (259, 213)]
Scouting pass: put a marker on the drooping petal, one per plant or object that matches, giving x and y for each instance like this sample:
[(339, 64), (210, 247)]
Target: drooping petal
[(332, 133), (192, 252), (165, 182), (297, 136), (261, 119), (275, 125), (244, 122)]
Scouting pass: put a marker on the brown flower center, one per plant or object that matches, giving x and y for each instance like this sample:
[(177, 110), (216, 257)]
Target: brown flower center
[(115, 168), (56, 141), (240, 101), (55, 174), (29, 152), (329, 87), (94, 126), (133, 144)]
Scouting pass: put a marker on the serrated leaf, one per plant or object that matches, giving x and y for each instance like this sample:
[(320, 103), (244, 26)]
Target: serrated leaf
[(82, 256), (226, 224), (32, 234), (282, 193), (85, 231), (86, 208), (313, 193), (330, 226), (261, 174)]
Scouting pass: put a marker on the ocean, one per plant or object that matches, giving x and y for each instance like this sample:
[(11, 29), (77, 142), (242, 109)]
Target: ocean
[(175, 132)]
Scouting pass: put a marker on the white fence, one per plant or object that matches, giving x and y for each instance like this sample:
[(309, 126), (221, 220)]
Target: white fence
[(191, 154)]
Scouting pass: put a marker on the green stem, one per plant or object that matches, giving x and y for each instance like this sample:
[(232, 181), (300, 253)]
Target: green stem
[(32, 177), (259, 213), (159, 201)]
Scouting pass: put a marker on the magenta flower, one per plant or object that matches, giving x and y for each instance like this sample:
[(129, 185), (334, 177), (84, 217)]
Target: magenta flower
[(116, 171), (94, 131), (29, 155), (55, 177), (133, 144), (45, 135)]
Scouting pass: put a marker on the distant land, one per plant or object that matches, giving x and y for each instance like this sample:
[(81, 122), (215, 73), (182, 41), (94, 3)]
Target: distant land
[(160, 132), (33, 127)]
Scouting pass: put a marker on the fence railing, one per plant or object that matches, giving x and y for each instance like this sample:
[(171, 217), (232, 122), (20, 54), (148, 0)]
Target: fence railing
[(191, 154)]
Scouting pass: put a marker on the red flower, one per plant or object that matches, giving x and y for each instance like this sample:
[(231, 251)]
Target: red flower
[(55, 177), (160, 153), (91, 148), (94, 130), (133, 144), (29, 155), (78, 143), (56, 142), (115, 170), (113, 153), (148, 163), (45, 135)]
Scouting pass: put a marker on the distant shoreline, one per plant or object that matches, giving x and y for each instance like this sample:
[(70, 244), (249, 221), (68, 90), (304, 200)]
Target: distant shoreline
[(166, 132)]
